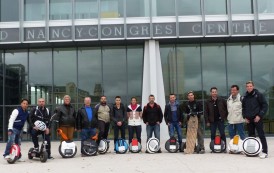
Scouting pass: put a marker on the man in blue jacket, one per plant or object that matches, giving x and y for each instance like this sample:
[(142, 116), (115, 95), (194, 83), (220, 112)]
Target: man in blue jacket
[(17, 123), (254, 109), (173, 118)]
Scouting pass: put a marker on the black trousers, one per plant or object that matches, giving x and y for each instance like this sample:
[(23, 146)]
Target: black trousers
[(103, 130), (34, 136), (251, 126), (116, 132), (134, 129)]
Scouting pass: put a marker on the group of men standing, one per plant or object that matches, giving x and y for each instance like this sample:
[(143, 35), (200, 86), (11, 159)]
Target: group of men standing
[(237, 109)]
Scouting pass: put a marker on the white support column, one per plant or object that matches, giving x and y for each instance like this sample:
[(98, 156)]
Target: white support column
[(153, 81)]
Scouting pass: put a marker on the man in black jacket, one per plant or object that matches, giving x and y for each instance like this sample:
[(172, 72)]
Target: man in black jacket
[(254, 108), (86, 121), (195, 108), (173, 118), (152, 117), (118, 117), (40, 113), (215, 114), (66, 116)]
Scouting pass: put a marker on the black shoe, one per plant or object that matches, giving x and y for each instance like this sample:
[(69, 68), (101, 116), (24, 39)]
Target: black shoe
[(147, 151), (159, 151), (50, 157), (202, 151)]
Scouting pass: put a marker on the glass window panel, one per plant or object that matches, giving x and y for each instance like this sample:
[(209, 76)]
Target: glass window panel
[(65, 74), (60, 9), (112, 8), (86, 9), (137, 8), (213, 66), (2, 125), (90, 74), (266, 6), (168, 60), (35, 10), (163, 8), (238, 60), (40, 78), (237, 6), (16, 66), (135, 56), (2, 75), (114, 72), (188, 7), (215, 7), (189, 70), (263, 72), (9, 10)]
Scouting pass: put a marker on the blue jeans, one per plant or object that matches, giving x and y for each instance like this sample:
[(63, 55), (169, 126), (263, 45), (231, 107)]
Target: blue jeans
[(175, 126), (220, 125), (87, 134), (13, 138), (233, 128), (153, 129)]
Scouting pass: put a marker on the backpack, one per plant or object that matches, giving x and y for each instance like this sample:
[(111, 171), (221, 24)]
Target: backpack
[(121, 146)]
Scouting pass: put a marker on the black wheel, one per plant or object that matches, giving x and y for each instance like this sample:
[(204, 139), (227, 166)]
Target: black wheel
[(30, 152), (43, 156), (12, 161)]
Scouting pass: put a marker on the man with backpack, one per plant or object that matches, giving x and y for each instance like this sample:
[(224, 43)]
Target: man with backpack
[(40, 113), (118, 117), (254, 109), (152, 117)]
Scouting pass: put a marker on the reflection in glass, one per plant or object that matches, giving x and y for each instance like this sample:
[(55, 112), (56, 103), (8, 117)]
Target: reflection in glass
[(9, 10), (137, 8), (215, 7), (60, 9), (263, 72), (114, 72), (112, 8), (40, 78), (1, 77), (35, 10), (266, 6), (238, 68), (135, 56), (16, 67), (86, 9), (213, 66), (241, 7), (168, 60), (188, 7), (90, 74), (163, 8), (189, 70), (65, 74)]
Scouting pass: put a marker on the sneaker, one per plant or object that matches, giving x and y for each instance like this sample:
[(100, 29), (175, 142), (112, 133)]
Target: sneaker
[(21, 160), (147, 151), (202, 151), (263, 155), (159, 151), (7, 157), (50, 157)]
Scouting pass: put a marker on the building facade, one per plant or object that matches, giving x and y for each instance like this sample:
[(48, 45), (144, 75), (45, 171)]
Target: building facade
[(49, 48)]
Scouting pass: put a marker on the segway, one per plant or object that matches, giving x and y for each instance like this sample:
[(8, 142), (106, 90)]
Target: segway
[(217, 145), (90, 147), (103, 146), (252, 147), (42, 153), (15, 154), (121, 146), (235, 145), (172, 145), (153, 145), (135, 146), (67, 148)]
